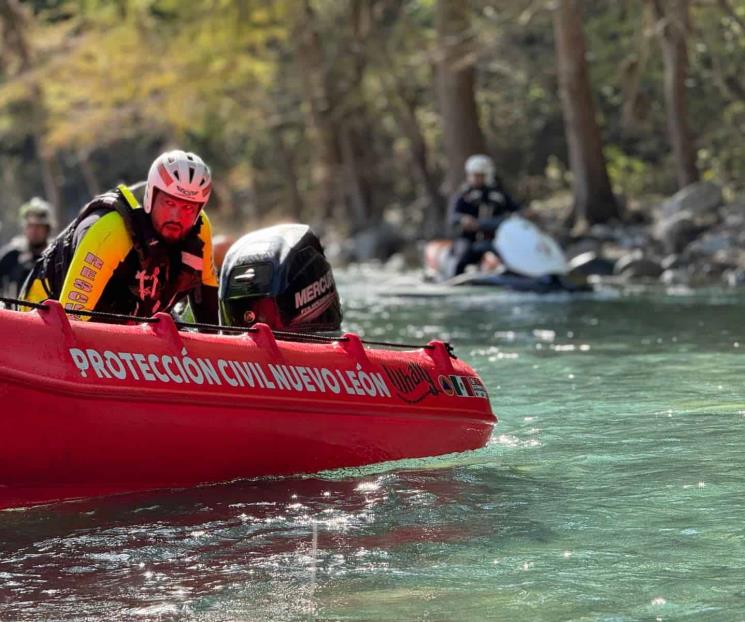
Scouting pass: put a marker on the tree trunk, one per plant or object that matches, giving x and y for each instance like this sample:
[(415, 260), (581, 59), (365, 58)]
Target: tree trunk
[(631, 71), (404, 111), (89, 177), (321, 100), (287, 156), (402, 105), (14, 21), (456, 79), (673, 27), (49, 176), (357, 192), (339, 178), (593, 198)]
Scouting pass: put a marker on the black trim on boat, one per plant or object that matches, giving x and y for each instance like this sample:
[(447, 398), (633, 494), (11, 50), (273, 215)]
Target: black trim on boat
[(279, 334)]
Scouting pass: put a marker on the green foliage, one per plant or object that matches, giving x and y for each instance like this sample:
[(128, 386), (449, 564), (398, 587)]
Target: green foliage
[(118, 80), (629, 175)]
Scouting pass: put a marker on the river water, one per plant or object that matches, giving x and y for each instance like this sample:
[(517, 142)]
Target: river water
[(613, 488)]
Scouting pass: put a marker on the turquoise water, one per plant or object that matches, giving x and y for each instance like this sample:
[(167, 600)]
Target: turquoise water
[(612, 489)]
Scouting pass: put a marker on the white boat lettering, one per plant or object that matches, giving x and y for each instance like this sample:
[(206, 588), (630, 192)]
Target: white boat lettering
[(223, 366), (185, 369), (153, 360), (280, 377), (114, 365)]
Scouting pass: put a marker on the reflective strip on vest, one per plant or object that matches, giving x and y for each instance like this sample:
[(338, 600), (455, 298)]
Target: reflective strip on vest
[(127, 194), (193, 261)]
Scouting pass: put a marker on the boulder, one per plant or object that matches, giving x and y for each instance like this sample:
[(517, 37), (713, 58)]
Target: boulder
[(711, 243), (581, 246), (733, 215), (675, 276), (677, 232), (635, 265), (590, 263), (734, 277), (602, 232), (378, 242), (623, 235), (699, 199), (672, 262), (708, 271)]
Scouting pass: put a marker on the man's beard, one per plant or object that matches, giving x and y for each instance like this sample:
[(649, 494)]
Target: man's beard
[(172, 232)]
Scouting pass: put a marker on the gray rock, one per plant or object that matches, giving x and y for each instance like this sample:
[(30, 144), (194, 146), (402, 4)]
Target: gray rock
[(709, 270), (378, 242), (733, 215), (636, 265), (602, 232), (672, 262), (710, 243), (590, 263), (677, 232), (625, 236), (702, 198), (580, 246), (734, 277), (676, 276)]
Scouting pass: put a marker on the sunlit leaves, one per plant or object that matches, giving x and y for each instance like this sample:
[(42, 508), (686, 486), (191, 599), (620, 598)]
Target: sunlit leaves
[(115, 68)]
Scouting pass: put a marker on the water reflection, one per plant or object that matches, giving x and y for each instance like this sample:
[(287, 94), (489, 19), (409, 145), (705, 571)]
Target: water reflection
[(246, 547), (612, 489)]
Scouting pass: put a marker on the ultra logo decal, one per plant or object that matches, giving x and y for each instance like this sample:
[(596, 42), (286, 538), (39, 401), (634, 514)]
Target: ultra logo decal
[(412, 383), (463, 386)]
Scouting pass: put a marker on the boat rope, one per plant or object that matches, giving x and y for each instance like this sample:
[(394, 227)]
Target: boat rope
[(282, 335)]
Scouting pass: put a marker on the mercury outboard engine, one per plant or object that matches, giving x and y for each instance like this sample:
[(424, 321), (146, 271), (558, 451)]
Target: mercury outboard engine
[(279, 276)]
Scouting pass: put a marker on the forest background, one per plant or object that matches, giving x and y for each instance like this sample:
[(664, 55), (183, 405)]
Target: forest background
[(354, 115)]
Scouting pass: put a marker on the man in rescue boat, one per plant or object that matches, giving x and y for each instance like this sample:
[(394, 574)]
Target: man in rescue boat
[(477, 210), (120, 257), (17, 257)]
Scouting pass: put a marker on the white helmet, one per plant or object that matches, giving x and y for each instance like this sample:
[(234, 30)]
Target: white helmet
[(181, 174), (481, 165)]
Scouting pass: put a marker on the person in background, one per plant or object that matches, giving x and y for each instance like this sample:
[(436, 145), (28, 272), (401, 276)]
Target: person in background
[(476, 211), (17, 257), (120, 257)]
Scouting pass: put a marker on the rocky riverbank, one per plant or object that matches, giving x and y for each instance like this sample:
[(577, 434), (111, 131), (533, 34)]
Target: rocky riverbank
[(693, 238)]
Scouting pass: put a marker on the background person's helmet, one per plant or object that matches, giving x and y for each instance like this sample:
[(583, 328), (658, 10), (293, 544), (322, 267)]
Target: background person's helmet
[(480, 165), (181, 174), (36, 211)]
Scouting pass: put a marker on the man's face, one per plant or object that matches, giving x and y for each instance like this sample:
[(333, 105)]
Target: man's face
[(173, 217), (477, 180), (36, 233)]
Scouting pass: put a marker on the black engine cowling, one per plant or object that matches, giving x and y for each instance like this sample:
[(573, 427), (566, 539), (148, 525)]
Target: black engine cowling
[(279, 276)]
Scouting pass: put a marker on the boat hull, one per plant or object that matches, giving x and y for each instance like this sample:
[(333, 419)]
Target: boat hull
[(439, 267), (93, 409)]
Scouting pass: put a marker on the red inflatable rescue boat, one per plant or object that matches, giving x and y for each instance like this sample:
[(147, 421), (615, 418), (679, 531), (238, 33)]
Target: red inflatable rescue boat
[(93, 409)]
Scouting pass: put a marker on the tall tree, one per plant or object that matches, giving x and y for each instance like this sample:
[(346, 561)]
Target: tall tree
[(631, 71), (594, 201), (337, 173), (402, 103), (673, 26), (15, 21), (456, 80)]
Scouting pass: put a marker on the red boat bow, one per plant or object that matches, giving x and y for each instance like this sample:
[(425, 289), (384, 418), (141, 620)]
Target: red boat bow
[(93, 409)]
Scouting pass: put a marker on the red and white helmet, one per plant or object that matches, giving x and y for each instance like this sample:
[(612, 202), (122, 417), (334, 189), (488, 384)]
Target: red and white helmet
[(181, 174)]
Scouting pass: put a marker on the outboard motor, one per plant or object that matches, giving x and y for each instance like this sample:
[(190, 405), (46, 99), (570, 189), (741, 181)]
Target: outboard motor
[(279, 276)]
